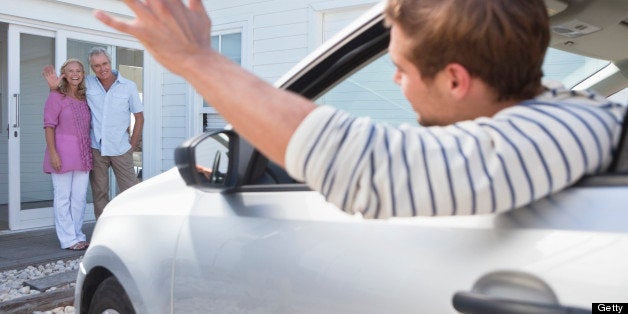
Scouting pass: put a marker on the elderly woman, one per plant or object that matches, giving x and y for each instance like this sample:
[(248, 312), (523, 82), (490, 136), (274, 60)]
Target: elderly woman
[(68, 155)]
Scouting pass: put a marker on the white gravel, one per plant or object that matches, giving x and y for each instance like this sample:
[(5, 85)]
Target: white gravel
[(59, 310), (12, 281)]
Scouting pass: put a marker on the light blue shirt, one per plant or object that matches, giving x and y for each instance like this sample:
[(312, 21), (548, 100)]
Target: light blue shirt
[(111, 113)]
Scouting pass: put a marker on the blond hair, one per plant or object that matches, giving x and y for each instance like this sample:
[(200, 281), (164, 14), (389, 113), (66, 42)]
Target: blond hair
[(63, 85)]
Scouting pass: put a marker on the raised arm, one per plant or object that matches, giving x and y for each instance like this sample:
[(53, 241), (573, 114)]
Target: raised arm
[(178, 37), (51, 77)]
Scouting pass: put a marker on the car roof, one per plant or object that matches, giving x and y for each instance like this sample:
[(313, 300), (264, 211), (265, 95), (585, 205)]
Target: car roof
[(596, 29)]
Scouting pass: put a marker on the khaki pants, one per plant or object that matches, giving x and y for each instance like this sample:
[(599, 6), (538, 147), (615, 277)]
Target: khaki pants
[(99, 176)]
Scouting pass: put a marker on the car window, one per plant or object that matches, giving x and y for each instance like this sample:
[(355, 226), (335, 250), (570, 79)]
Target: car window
[(569, 68), (371, 91)]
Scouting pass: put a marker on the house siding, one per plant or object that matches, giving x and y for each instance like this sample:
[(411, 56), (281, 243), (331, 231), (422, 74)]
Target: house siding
[(174, 110)]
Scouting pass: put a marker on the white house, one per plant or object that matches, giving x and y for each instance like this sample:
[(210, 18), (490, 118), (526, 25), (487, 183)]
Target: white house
[(267, 37)]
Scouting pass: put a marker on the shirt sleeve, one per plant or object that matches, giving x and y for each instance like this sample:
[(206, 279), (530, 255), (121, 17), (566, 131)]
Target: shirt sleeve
[(471, 167), (135, 103), (374, 169), (52, 109)]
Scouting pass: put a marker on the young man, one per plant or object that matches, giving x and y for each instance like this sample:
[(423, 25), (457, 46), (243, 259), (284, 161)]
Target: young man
[(495, 138), (111, 99)]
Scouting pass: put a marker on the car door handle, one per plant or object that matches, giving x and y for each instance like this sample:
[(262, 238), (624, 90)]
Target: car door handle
[(472, 303), (512, 292)]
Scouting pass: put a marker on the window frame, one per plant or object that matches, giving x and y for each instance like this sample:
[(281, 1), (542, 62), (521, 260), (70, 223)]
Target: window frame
[(197, 107)]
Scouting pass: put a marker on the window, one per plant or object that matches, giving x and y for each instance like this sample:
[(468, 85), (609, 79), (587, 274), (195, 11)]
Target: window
[(372, 92), (129, 62), (568, 68), (230, 45)]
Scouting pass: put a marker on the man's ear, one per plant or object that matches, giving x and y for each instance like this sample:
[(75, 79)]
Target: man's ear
[(458, 79)]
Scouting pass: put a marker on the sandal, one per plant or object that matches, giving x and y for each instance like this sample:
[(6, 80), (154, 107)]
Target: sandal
[(78, 246)]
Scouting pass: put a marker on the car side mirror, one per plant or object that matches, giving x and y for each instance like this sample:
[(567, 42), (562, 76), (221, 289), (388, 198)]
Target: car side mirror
[(208, 161)]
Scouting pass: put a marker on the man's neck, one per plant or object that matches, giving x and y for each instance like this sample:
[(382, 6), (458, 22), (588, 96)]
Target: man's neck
[(108, 82)]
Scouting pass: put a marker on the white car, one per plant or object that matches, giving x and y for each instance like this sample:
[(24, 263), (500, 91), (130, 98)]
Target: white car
[(248, 238)]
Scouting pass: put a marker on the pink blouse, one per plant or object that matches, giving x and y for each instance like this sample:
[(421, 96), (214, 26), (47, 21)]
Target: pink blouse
[(70, 118)]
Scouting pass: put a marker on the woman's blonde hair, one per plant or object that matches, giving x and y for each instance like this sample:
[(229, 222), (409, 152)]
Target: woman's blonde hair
[(63, 85)]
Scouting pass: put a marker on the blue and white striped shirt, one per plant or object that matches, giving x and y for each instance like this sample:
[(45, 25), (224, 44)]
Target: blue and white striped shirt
[(521, 154)]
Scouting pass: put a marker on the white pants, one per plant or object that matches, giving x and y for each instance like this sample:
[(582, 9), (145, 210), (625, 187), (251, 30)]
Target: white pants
[(70, 192)]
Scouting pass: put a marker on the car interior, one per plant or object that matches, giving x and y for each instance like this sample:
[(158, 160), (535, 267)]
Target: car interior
[(598, 29)]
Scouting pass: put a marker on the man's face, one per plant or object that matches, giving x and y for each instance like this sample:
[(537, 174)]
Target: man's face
[(423, 95), (101, 66)]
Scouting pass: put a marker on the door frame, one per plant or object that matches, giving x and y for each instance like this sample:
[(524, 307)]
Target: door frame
[(19, 219), (44, 217)]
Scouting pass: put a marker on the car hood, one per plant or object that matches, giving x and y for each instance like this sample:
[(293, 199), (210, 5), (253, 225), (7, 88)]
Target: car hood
[(167, 193)]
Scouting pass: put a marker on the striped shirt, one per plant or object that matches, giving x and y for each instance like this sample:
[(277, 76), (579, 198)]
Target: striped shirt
[(521, 154)]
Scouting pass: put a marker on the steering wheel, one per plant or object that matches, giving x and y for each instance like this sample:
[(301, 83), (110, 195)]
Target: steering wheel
[(215, 176)]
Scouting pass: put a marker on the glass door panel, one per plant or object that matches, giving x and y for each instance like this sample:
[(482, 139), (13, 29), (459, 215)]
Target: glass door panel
[(36, 186), (4, 132), (29, 188), (130, 64)]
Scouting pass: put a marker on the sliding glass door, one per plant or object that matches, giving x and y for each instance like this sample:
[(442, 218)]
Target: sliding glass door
[(26, 192), (29, 199)]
